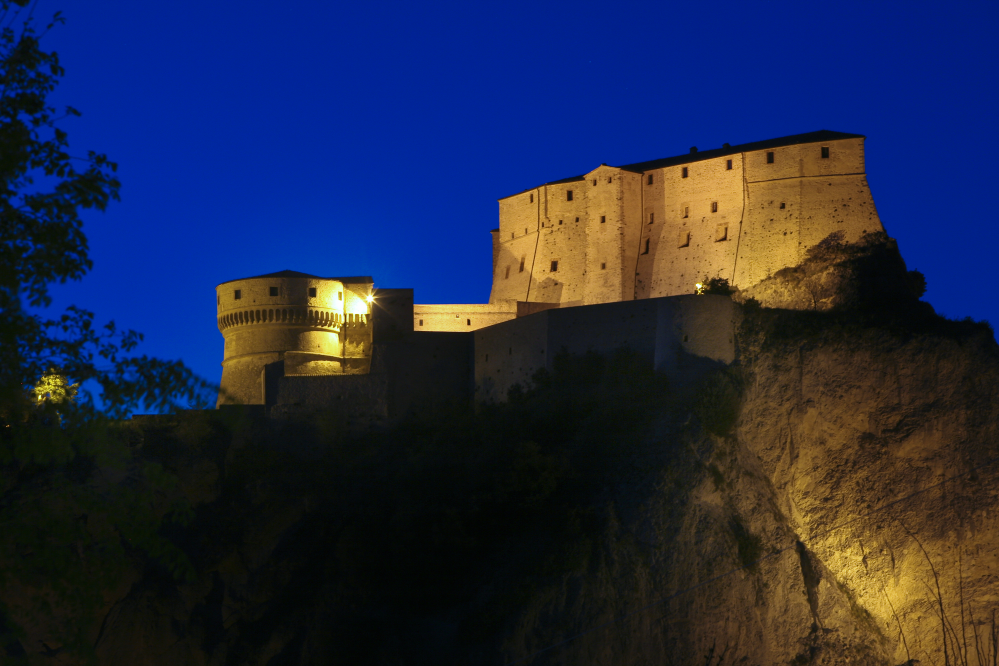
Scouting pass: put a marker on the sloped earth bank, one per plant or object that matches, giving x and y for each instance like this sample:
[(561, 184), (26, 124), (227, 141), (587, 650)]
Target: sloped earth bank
[(789, 513)]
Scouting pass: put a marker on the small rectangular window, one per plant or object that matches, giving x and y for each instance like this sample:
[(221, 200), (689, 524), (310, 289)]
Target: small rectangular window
[(560, 222), (421, 322), (770, 157), (603, 218), (686, 211), (312, 292), (825, 152), (274, 291), (683, 172), (554, 265), (650, 179), (468, 322), (237, 294), (511, 234), (577, 219), (782, 205), (522, 264), (652, 218), (339, 295), (609, 179), (714, 206), (532, 197), (568, 195), (507, 275), (646, 246), (594, 182), (603, 265), (684, 240), (721, 232), (728, 165)]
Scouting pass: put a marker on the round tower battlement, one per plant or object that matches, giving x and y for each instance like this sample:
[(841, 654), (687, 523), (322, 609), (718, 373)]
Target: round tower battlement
[(291, 323)]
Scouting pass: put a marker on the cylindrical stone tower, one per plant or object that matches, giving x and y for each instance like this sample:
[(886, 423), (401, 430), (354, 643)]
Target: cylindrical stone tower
[(291, 323)]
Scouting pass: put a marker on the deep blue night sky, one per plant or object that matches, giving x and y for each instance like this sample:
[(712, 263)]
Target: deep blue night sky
[(375, 138)]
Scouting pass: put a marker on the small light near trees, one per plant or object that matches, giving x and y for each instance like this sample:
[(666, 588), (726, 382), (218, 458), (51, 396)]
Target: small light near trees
[(699, 288)]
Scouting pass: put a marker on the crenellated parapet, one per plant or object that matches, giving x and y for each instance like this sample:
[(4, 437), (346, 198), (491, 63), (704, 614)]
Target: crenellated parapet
[(291, 323)]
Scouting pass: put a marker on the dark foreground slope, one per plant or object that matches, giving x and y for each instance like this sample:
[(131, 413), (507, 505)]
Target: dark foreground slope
[(789, 512)]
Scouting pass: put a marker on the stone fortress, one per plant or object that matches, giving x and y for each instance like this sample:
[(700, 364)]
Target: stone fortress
[(594, 262)]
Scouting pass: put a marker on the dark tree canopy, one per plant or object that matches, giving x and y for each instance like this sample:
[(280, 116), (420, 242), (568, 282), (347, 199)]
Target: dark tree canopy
[(44, 188)]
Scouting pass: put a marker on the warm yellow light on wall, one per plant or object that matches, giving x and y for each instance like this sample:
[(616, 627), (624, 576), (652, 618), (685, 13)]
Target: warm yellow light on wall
[(371, 298), (698, 288)]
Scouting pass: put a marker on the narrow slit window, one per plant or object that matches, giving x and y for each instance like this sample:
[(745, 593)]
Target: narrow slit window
[(684, 240), (603, 218), (421, 322), (554, 265), (770, 157), (721, 232), (683, 172), (339, 295), (274, 291), (560, 222), (594, 182), (522, 259), (507, 275), (825, 152), (603, 265), (714, 206), (568, 195), (728, 165), (652, 218), (532, 197), (511, 234), (686, 211), (650, 179), (577, 219), (782, 205), (609, 179), (646, 251), (312, 292), (237, 294), (468, 322)]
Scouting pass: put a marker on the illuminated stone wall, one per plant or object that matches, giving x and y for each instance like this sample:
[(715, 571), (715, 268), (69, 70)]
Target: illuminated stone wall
[(461, 318), (655, 229), (307, 324)]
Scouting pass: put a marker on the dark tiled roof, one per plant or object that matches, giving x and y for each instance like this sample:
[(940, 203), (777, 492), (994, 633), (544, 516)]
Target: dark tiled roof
[(639, 167), (297, 274)]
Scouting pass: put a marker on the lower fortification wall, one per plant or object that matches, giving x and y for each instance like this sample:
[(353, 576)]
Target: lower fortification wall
[(679, 336), (418, 372)]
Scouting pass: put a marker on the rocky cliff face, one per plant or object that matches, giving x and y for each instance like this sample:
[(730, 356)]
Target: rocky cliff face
[(819, 503), (882, 448)]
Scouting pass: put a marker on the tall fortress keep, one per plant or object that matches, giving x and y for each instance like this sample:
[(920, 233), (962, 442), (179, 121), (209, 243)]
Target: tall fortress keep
[(615, 235)]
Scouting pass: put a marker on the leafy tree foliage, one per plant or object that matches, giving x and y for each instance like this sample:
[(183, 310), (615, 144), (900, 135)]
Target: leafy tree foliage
[(44, 188), (75, 503)]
